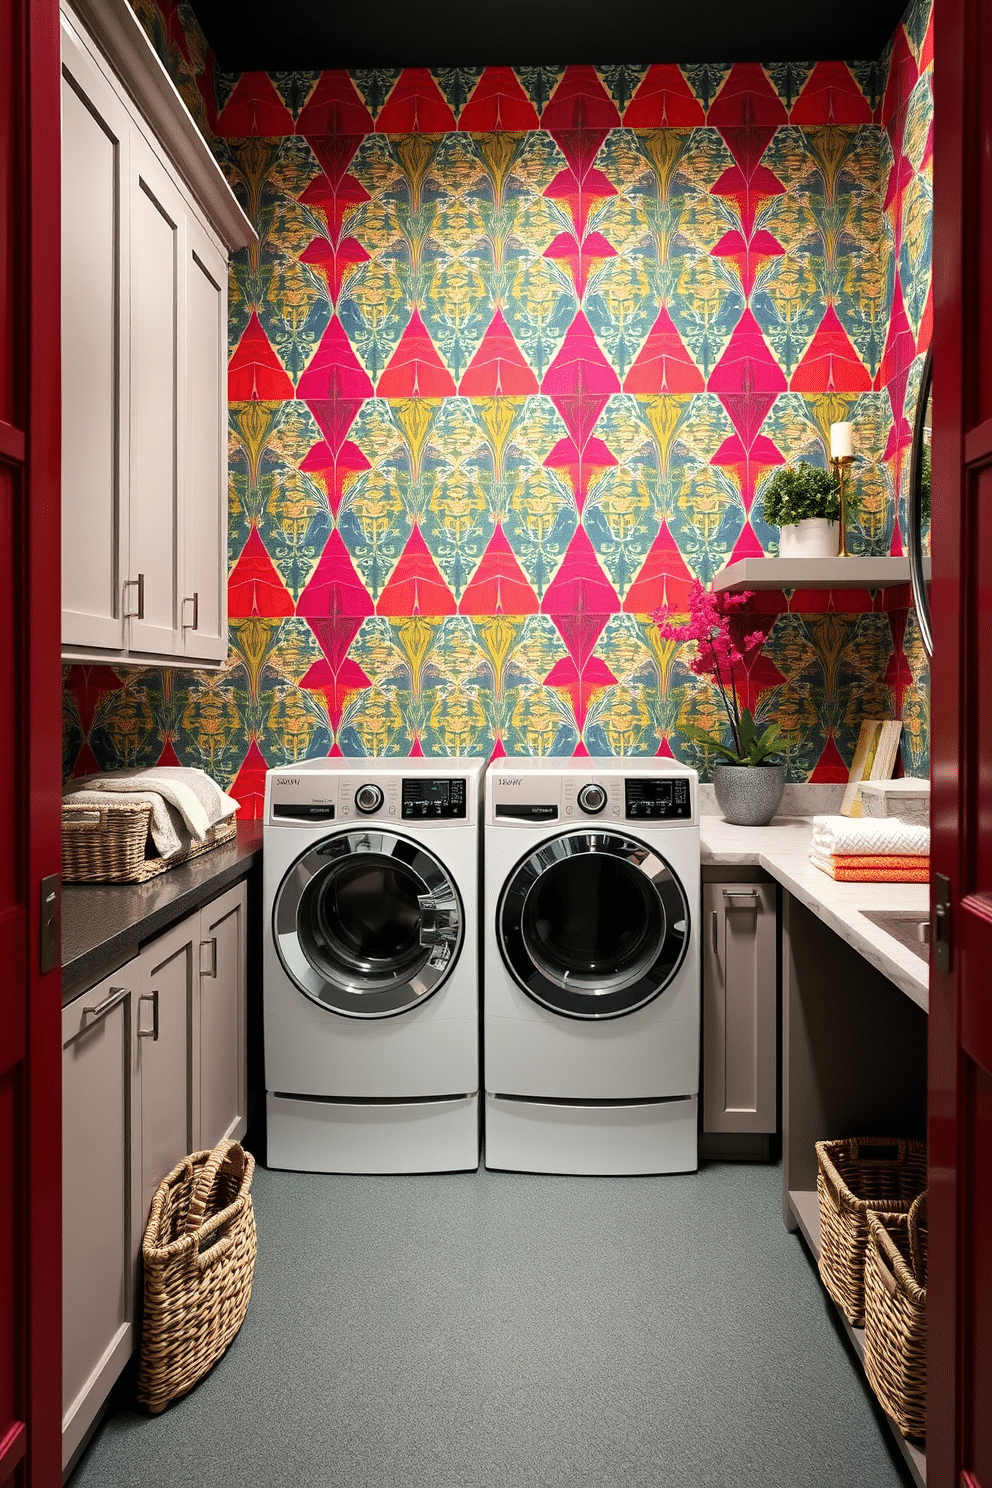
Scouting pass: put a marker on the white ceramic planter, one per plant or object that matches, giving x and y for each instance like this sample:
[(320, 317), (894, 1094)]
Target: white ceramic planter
[(813, 538)]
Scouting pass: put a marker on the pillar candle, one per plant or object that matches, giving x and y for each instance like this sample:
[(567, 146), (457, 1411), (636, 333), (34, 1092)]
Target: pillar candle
[(841, 443)]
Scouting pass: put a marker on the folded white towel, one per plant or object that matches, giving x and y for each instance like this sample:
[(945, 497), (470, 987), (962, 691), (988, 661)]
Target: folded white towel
[(843, 835), (185, 803)]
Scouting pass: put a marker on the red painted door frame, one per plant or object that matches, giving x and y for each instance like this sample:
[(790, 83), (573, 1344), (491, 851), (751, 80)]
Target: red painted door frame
[(959, 1436), (30, 733)]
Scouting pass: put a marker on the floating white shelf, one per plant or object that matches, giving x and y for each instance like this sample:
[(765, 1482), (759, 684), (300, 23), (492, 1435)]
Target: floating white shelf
[(812, 573)]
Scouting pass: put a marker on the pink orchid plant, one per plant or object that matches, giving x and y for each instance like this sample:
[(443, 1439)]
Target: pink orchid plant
[(718, 656)]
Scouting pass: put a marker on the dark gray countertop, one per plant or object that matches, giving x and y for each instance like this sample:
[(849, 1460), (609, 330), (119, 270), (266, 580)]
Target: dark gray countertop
[(104, 925)]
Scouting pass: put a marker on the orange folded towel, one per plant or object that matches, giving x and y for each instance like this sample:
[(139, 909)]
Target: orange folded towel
[(874, 867)]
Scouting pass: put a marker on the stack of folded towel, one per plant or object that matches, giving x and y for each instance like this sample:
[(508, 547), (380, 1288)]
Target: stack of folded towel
[(871, 849), (185, 803)]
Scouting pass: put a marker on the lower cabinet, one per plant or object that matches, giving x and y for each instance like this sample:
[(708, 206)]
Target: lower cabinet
[(162, 1089), (219, 1063), (99, 1204), (740, 1008), (153, 1067)]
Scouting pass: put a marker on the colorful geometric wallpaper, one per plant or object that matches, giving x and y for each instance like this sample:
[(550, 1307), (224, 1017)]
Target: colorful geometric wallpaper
[(511, 365)]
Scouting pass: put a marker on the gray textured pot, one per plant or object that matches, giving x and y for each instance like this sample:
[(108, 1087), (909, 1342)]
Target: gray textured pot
[(749, 795)]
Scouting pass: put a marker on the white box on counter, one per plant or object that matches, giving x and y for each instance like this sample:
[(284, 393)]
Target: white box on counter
[(908, 799)]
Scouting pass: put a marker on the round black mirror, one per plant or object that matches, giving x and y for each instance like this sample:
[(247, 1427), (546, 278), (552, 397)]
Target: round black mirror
[(918, 513)]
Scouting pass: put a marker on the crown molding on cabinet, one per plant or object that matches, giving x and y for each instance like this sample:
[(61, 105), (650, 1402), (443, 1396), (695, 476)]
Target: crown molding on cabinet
[(119, 34)]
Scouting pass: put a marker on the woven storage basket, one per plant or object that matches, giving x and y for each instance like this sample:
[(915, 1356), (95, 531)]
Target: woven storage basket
[(896, 1315), (109, 842), (856, 1174), (199, 1260)]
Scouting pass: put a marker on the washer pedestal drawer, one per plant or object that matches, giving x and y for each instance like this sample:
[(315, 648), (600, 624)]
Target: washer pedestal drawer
[(600, 1138), (331, 1136)]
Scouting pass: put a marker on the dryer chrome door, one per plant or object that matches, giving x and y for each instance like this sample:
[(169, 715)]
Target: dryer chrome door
[(593, 924), (368, 924)]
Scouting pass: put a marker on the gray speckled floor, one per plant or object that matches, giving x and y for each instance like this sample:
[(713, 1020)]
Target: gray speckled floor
[(491, 1330)]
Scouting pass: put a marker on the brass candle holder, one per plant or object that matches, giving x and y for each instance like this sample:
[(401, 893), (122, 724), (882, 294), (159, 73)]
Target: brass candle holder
[(842, 464)]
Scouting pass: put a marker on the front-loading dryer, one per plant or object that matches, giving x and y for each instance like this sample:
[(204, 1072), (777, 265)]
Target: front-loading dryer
[(371, 890), (591, 999)]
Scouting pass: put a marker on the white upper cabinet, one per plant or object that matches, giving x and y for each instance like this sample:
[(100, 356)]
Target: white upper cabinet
[(147, 223), (95, 160), (203, 615), (154, 569)]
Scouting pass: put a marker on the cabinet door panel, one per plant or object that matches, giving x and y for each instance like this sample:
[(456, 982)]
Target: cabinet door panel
[(740, 1003), (157, 214), (163, 1034), (95, 152), (204, 596), (98, 1219), (221, 1072)]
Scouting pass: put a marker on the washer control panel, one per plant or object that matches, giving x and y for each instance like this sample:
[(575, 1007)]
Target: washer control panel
[(390, 792), (440, 799), (649, 798)]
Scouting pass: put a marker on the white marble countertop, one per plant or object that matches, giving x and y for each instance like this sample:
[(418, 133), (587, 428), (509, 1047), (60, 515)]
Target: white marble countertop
[(782, 850)]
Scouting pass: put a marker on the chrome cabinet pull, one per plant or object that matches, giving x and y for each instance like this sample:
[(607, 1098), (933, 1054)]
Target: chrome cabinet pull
[(194, 600), (714, 927), (101, 1009), (152, 1032), (752, 894), (212, 943), (139, 613)]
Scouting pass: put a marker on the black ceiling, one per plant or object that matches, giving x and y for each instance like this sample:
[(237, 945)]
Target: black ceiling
[(309, 35)]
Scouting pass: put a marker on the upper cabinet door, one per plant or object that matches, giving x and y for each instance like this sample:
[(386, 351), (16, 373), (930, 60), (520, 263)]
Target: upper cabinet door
[(204, 595), (157, 352), (95, 324)]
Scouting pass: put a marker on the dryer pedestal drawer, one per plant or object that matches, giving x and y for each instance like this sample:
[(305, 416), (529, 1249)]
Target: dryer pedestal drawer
[(333, 1136), (548, 1137)]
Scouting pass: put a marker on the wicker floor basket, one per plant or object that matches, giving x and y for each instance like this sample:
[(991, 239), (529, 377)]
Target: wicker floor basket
[(199, 1260), (854, 1175), (109, 843), (896, 1315)]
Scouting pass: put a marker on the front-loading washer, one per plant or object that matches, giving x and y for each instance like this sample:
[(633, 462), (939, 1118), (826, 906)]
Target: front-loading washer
[(591, 997), (371, 893)]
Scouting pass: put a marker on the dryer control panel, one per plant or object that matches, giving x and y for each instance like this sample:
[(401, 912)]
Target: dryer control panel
[(577, 793)]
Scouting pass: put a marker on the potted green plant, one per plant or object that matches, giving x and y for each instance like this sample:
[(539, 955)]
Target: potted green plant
[(748, 781), (803, 500)]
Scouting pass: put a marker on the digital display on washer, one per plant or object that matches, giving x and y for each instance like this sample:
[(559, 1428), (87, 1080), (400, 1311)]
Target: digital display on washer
[(437, 799), (657, 799)]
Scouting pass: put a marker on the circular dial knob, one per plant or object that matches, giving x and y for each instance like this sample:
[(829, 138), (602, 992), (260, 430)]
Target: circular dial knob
[(592, 799), (368, 798)]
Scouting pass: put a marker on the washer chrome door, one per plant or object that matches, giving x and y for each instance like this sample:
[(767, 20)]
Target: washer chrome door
[(593, 924), (368, 924)]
